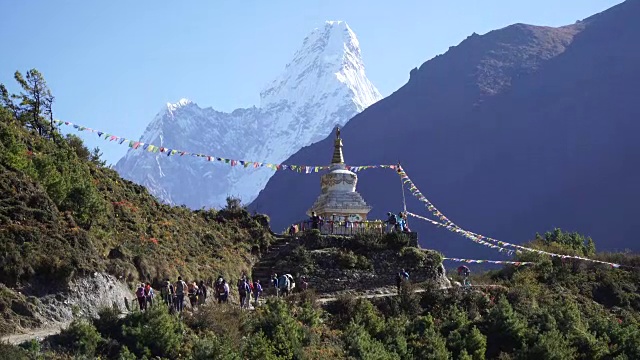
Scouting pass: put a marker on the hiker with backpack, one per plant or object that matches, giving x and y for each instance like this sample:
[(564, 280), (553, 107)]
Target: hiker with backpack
[(193, 294), (251, 289), (283, 285), (404, 222), (243, 290), (315, 220), (149, 294), (400, 222), (142, 299), (222, 290), (257, 290), (274, 282), (465, 272), (400, 277), (398, 281), (286, 284), (405, 275), (167, 292), (181, 289), (202, 293), (392, 222)]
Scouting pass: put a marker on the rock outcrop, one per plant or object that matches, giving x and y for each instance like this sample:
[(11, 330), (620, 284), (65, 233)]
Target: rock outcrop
[(360, 263)]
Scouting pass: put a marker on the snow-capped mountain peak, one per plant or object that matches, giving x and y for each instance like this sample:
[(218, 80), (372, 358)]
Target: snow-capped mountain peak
[(175, 106), (327, 54), (324, 85)]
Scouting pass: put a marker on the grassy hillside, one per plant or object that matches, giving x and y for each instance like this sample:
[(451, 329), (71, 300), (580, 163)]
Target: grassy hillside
[(64, 214)]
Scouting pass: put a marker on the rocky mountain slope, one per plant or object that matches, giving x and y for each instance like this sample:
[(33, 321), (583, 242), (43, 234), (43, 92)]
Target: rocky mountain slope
[(323, 86), (510, 133)]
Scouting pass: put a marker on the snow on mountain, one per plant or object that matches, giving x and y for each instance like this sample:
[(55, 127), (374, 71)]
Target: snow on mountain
[(323, 86)]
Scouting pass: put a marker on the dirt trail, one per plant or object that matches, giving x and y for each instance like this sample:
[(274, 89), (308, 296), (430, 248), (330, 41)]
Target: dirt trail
[(324, 300), (38, 334)]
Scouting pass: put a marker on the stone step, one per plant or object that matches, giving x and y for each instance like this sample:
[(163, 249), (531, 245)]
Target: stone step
[(267, 262), (262, 272), (276, 247), (266, 272), (264, 264)]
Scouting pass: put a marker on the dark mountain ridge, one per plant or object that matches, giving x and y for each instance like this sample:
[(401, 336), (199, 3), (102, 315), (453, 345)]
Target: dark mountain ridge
[(517, 131)]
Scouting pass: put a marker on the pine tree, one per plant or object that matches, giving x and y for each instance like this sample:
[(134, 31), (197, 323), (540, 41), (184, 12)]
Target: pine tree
[(96, 156), (476, 344), (36, 100), (7, 102)]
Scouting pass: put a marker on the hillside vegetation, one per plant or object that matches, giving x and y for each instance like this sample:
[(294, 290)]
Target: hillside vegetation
[(64, 214), (555, 310)]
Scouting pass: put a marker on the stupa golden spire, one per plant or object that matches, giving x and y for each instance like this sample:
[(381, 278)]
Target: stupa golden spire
[(337, 150)]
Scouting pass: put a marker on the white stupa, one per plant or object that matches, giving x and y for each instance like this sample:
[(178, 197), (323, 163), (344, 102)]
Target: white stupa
[(339, 200)]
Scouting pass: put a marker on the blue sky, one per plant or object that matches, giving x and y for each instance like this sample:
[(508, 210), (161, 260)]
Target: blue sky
[(112, 65)]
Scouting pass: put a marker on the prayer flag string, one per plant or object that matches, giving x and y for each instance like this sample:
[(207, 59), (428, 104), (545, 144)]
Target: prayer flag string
[(480, 239), (138, 145)]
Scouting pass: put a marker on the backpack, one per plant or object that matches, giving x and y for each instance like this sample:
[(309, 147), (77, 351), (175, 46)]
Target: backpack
[(242, 289), (180, 287), (220, 288), (250, 286), (166, 289), (393, 220), (140, 292), (283, 282)]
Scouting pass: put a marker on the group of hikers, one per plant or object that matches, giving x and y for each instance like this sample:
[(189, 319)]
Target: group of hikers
[(246, 290), (173, 294), (397, 223), (284, 284)]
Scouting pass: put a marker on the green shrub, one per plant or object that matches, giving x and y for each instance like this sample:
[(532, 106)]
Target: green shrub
[(298, 261), (361, 345), (11, 352), (77, 145), (153, 333), (280, 328), (213, 347), (108, 322), (33, 347), (80, 338), (413, 257), (367, 242), (396, 240), (349, 260), (13, 152), (312, 238), (220, 321), (259, 347)]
